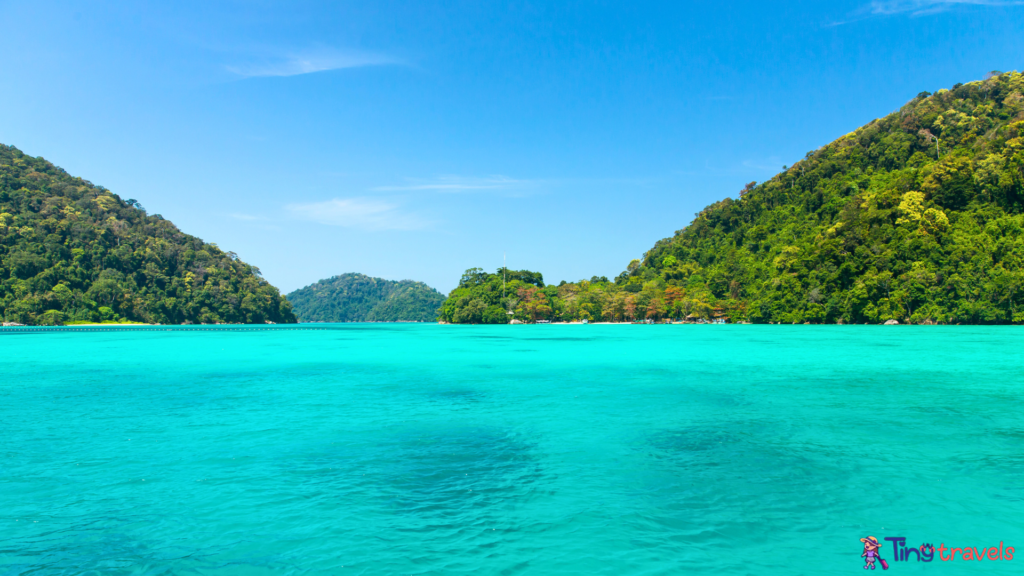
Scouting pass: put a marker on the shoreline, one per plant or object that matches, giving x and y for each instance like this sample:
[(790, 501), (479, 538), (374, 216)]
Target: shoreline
[(108, 324)]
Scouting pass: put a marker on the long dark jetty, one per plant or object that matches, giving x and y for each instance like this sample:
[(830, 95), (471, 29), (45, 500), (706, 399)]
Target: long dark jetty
[(162, 328)]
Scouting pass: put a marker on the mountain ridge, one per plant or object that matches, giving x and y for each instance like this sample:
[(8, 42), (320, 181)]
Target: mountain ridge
[(355, 297), (915, 217), (71, 251)]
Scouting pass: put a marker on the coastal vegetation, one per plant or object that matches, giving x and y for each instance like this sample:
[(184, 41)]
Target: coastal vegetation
[(916, 217), (484, 298), (360, 298), (73, 252)]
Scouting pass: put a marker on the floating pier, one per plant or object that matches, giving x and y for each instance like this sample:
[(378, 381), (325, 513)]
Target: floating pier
[(163, 328)]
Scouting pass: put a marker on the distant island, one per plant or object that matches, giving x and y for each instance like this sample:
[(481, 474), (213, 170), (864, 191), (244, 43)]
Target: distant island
[(359, 298), (917, 217), (74, 252)]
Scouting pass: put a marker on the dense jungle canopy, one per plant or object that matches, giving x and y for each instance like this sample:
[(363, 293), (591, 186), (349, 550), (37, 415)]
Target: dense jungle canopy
[(483, 298), (916, 217), (71, 251), (360, 298)]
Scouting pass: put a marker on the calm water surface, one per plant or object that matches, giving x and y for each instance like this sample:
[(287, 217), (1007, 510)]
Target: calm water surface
[(412, 449)]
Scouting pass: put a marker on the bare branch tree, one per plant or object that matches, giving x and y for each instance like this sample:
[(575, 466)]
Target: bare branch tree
[(928, 134)]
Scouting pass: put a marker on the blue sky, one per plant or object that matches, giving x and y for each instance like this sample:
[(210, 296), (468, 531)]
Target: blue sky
[(418, 139)]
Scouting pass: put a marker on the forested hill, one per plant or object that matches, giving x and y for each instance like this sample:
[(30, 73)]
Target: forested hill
[(73, 251), (915, 217), (360, 298)]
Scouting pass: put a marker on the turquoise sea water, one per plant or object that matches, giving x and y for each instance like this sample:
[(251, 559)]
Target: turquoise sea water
[(424, 449)]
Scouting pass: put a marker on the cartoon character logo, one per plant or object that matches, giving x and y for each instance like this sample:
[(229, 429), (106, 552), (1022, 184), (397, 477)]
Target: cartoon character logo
[(870, 554)]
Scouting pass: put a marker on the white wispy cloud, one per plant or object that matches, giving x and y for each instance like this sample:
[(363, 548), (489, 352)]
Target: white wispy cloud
[(360, 213), (308, 62), (922, 7), (771, 164), (246, 217), (455, 184), (881, 8)]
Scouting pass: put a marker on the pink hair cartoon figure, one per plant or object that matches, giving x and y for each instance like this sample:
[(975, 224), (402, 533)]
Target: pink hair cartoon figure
[(870, 554)]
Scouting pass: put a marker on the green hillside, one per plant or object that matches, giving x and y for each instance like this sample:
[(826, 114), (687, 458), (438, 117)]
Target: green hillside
[(360, 298), (483, 298), (916, 217), (73, 251)]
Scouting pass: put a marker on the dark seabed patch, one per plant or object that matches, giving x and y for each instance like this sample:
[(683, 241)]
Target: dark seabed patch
[(743, 466), (558, 339), (456, 397), (458, 472)]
